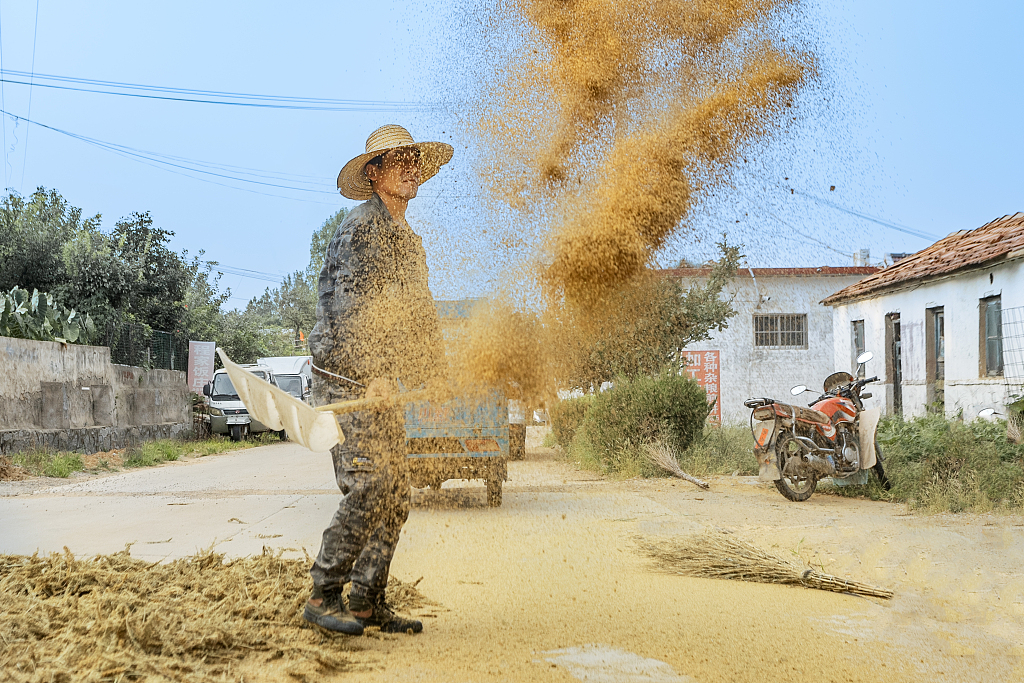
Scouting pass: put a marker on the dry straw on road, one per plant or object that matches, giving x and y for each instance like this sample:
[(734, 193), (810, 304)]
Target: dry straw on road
[(116, 618), (719, 555)]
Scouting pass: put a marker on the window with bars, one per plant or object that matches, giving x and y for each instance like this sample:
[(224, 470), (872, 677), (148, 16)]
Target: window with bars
[(780, 331)]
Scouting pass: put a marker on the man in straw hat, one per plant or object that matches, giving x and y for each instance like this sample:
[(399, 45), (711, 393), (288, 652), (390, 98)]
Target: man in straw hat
[(376, 327)]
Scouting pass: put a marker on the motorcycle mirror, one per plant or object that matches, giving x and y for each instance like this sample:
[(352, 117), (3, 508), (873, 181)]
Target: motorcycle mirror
[(864, 357), (987, 412), (798, 389)]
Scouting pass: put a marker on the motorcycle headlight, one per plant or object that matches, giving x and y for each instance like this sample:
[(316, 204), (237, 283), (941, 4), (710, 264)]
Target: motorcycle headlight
[(216, 411)]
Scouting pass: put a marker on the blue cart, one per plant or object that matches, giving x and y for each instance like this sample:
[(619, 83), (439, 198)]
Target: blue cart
[(465, 438)]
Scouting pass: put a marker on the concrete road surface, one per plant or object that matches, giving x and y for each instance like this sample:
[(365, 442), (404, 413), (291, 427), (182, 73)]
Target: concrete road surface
[(550, 587)]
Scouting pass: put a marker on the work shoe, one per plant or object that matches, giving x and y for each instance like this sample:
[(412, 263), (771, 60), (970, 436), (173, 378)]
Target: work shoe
[(326, 608), (389, 622)]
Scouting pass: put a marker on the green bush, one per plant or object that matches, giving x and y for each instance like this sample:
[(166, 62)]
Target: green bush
[(566, 418), (943, 465), (634, 412)]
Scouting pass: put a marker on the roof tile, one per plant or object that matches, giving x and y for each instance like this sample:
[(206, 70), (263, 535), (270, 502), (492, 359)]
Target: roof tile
[(954, 252)]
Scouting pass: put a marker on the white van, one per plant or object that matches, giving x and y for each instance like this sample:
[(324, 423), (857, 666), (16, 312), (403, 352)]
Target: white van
[(293, 374), (225, 411)]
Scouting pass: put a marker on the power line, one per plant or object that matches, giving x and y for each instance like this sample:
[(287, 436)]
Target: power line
[(251, 274), (900, 228), (209, 96), (807, 237), (160, 161), (35, 33), (3, 104)]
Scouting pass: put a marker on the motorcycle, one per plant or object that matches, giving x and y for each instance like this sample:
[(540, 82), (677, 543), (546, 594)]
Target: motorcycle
[(833, 437)]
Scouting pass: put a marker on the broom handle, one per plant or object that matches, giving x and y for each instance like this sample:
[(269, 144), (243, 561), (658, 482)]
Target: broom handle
[(368, 403)]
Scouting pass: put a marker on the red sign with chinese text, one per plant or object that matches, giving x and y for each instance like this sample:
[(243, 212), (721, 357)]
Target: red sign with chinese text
[(703, 366)]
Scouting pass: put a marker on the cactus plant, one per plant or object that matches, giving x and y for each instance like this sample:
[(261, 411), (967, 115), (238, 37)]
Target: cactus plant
[(37, 316)]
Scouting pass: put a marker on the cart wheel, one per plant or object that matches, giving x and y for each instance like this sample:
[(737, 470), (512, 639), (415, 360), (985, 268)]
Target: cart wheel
[(236, 432), (494, 493)]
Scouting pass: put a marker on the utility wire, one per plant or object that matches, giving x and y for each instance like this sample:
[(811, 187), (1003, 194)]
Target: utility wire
[(900, 228), (153, 159), (35, 34), (780, 220), (3, 104), (209, 96)]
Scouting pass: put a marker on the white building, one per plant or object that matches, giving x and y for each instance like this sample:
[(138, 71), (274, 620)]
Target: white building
[(781, 335), (944, 324)]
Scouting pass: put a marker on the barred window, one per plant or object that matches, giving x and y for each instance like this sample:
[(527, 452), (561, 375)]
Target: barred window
[(785, 331)]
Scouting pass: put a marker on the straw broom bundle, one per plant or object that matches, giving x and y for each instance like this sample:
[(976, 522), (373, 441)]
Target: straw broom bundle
[(660, 456), (717, 555)]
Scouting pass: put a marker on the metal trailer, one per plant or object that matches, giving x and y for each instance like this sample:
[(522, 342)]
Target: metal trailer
[(465, 438)]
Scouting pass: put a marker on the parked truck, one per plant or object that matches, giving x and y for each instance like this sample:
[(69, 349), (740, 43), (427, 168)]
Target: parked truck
[(293, 374), (225, 411)]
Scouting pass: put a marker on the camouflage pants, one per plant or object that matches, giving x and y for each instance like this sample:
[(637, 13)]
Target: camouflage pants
[(372, 473)]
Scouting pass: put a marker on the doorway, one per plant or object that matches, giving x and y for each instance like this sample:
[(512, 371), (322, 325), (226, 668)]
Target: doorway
[(935, 365), (894, 360)]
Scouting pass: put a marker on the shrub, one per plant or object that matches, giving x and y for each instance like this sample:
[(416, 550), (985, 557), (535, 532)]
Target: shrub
[(668, 407), (943, 465), (566, 417)]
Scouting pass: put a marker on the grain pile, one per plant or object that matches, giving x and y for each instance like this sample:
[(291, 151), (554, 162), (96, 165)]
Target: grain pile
[(199, 618), (600, 127)]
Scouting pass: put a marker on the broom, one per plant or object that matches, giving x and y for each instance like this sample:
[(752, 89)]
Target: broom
[(660, 456), (717, 555)]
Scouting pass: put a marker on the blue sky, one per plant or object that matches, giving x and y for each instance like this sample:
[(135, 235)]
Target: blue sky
[(924, 133)]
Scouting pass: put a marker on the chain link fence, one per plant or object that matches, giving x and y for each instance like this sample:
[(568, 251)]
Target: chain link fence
[(139, 345)]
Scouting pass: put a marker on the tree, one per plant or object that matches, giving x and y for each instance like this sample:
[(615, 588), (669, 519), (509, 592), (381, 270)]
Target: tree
[(643, 328), (33, 235), (161, 277), (318, 245)]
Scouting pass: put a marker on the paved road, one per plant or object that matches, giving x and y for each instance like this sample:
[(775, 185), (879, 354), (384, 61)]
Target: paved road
[(549, 587)]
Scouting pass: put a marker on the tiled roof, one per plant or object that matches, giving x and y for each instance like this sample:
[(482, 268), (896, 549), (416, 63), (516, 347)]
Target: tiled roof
[(1002, 238), (823, 271)]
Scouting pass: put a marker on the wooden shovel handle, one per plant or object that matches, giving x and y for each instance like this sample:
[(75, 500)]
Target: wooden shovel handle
[(368, 403)]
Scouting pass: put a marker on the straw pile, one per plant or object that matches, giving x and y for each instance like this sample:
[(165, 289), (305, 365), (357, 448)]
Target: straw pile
[(11, 472), (115, 618), (660, 456), (718, 555)]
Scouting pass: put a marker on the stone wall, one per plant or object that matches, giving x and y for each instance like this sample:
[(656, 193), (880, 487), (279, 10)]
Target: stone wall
[(71, 397)]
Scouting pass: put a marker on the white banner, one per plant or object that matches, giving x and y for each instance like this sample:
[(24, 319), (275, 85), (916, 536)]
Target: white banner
[(200, 364)]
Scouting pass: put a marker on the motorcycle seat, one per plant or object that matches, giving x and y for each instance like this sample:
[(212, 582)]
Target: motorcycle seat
[(786, 410)]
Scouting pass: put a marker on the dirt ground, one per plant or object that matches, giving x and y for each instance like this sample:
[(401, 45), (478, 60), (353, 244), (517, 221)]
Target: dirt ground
[(549, 587)]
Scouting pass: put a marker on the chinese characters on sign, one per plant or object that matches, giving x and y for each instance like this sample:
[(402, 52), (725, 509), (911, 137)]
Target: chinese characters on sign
[(703, 366), (200, 364)]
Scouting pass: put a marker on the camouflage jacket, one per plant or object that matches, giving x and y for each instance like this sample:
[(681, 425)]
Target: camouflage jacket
[(375, 314)]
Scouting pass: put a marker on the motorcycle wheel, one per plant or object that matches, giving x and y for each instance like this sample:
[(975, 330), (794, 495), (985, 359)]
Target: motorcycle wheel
[(796, 489), (236, 432), (879, 469)]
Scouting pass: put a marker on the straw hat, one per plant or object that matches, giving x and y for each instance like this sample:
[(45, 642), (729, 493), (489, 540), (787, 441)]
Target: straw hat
[(352, 181)]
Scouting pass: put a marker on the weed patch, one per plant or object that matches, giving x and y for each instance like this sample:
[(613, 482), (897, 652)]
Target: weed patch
[(720, 450), (940, 465), (49, 463)]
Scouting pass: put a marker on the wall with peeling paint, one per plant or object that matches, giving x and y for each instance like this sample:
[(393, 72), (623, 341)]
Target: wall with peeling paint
[(747, 370), (959, 294)]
